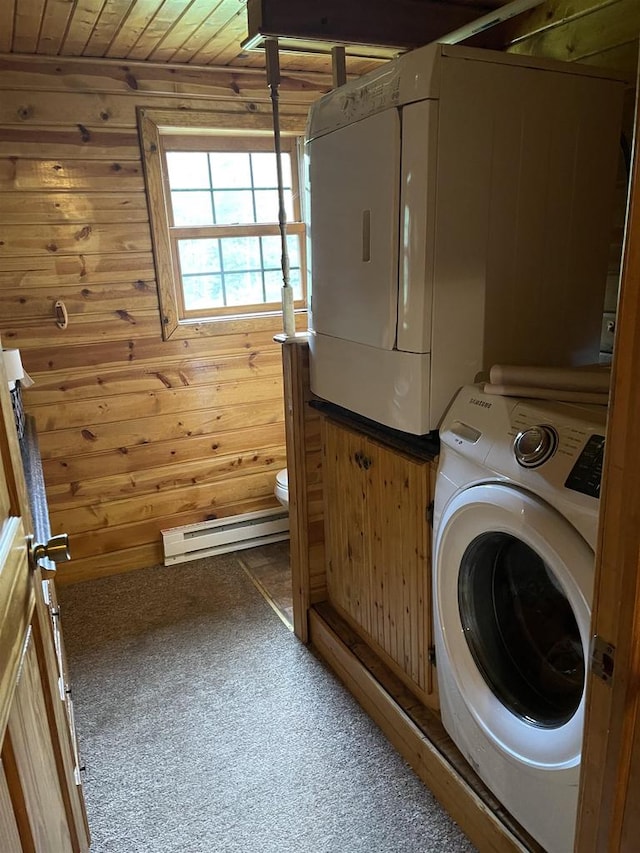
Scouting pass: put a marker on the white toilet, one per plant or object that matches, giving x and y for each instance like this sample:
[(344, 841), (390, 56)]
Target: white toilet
[(282, 487)]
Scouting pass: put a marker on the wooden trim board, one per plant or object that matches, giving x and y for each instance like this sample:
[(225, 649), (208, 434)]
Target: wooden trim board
[(475, 816)]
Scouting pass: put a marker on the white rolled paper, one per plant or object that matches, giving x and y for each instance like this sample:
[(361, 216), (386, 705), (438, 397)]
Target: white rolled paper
[(13, 366)]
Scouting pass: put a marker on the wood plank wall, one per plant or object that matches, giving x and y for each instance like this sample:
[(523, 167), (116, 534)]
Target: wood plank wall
[(136, 433)]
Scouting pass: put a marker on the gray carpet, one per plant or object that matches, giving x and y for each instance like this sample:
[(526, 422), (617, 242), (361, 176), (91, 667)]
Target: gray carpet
[(206, 727)]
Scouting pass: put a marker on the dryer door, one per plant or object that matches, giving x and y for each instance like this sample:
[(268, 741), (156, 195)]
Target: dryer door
[(513, 584)]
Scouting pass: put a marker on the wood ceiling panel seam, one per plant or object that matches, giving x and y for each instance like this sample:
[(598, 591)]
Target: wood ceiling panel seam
[(7, 29), (55, 23), (228, 48), (210, 29), (81, 26), (151, 37), (180, 31), (111, 18), (138, 18), (27, 25)]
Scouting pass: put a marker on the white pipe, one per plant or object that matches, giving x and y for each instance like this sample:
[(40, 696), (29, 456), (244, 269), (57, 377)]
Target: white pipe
[(489, 20)]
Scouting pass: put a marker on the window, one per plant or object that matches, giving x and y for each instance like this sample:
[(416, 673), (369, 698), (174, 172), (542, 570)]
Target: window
[(213, 200)]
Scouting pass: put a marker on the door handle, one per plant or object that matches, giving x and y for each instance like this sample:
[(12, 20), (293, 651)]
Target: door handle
[(56, 549)]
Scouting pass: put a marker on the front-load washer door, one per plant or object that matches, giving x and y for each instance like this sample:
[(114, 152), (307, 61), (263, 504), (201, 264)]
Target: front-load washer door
[(512, 591)]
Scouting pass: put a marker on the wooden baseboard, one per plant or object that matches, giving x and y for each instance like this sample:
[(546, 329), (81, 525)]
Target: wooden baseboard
[(103, 565), (418, 736)]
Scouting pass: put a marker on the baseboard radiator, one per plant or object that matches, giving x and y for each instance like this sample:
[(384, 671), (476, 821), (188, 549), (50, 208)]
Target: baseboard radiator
[(224, 534)]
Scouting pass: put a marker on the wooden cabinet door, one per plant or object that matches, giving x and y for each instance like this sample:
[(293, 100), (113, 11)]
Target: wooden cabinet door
[(398, 532), (377, 540), (346, 527)]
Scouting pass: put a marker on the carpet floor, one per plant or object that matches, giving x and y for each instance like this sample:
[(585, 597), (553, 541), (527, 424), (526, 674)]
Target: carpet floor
[(206, 727)]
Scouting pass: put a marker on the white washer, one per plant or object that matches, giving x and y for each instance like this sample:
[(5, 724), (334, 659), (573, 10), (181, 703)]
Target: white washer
[(513, 563)]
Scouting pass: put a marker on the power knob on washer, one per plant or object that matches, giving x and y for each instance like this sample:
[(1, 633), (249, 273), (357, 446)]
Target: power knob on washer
[(535, 445)]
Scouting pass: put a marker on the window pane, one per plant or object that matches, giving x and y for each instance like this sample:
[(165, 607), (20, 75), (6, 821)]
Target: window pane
[(273, 284), (235, 206), (244, 288), (267, 205), (188, 170), (264, 170), (241, 253), (192, 208), (203, 291), (199, 256), (272, 251), (229, 170)]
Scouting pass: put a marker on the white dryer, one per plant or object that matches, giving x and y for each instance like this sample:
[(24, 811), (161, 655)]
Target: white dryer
[(515, 525)]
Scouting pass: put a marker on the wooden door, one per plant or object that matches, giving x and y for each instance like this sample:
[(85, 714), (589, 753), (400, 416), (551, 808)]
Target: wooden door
[(609, 811), (41, 804)]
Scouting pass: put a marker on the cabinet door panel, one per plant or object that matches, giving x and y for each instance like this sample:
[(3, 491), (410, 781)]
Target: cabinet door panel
[(397, 500), (377, 541), (347, 548)]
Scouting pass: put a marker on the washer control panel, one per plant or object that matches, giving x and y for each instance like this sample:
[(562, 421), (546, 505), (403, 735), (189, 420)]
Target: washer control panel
[(586, 474)]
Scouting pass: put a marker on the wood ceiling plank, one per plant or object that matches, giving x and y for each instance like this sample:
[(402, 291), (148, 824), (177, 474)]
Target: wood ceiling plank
[(85, 17), (139, 16), (111, 18), (150, 37), (26, 31), (622, 57), (6, 30), (180, 32), (546, 16), (57, 15), (607, 27), (226, 45), (211, 28)]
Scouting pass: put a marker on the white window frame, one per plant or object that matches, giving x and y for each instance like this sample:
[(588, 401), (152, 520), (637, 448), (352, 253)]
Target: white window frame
[(162, 130)]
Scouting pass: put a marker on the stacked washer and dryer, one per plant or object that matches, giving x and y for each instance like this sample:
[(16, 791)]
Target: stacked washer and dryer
[(461, 207), (515, 525)]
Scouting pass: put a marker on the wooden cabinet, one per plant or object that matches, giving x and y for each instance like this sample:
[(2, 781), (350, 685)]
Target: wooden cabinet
[(41, 800), (377, 540)]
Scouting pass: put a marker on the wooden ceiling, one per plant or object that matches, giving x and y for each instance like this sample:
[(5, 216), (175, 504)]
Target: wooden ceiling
[(193, 32)]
